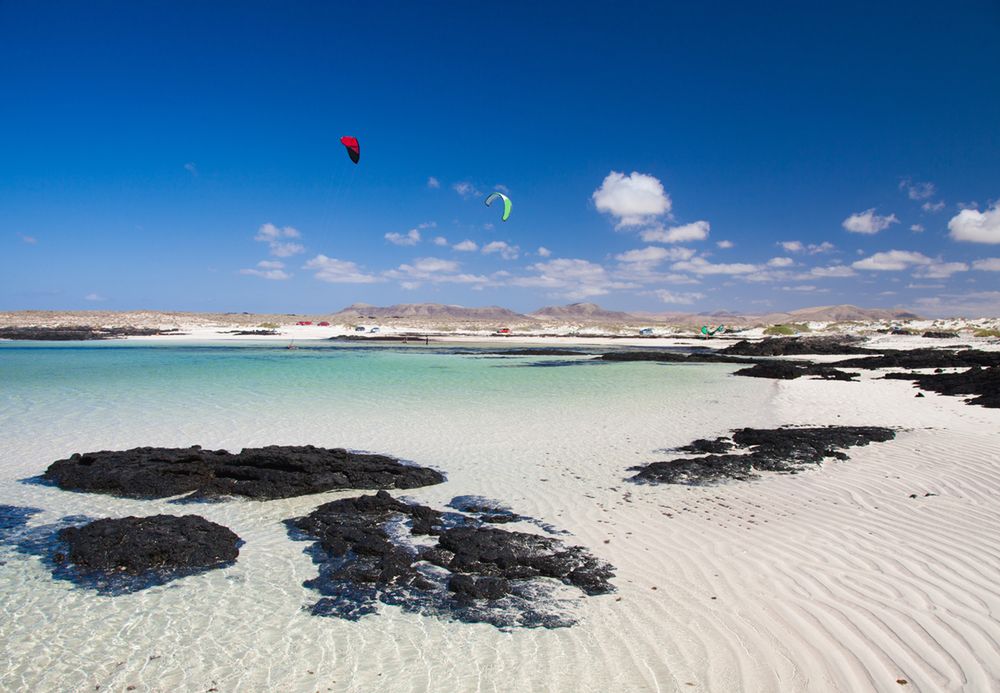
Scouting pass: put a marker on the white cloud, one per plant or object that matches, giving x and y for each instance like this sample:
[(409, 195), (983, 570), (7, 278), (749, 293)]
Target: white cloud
[(274, 235), (653, 255), (571, 278), (892, 260), (543, 251), (809, 288), (466, 246), (682, 298), (988, 264), (700, 265), (411, 237), (868, 222), (507, 251), (917, 191), (434, 270), (976, 227), (780, 262), (433, 183), (980, 304), (94, 297), (725, 245), (633, 200), (812, 248), (334, 271), (940, 270), (832, 271), (932, 206), (440, 240), (268, 269), (191, 168), (792, 246), (466, 189), (695, 231), (917, 228)]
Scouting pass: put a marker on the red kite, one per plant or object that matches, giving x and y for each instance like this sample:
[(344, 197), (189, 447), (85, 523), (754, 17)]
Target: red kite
[(353, 148)]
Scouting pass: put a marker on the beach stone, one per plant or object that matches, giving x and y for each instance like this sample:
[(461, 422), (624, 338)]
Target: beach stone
[(139, 544), (259, 473), (787, 450), (368, 550)]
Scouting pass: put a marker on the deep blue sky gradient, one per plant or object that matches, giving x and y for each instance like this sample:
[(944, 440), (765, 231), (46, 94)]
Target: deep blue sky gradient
[(771, 122)]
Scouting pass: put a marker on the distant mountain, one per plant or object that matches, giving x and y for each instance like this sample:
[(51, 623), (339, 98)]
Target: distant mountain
[(430, 311), (589, 312), (843, 313)]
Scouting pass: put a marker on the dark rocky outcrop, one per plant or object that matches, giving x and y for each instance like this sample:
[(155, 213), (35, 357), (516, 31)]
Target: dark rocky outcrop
[(369, 550), (774, 450), (261, 473), (81, 333), (932, 334), (789, 370), (138, 545), (672, 357), (795, 346), (984, 383), (924, 358)]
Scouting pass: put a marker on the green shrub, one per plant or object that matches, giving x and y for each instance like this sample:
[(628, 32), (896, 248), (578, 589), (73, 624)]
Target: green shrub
[(787, 329), (986, 333), (269, 325)]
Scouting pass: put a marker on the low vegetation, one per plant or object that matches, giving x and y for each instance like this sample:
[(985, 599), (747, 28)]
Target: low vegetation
[(787, 329), (986, 333)]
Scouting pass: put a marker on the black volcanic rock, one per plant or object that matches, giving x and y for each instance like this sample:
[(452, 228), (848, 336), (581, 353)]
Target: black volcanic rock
[(795, 346), (373, 549), (924, 358), (138, 545), (775, 450), (984, 383), (932, 334), (789, 370), (83, 333), (672, 357), (259, 473)]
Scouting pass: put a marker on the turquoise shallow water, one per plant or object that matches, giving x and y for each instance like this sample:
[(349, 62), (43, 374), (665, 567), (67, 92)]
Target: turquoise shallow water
[(553, 441)]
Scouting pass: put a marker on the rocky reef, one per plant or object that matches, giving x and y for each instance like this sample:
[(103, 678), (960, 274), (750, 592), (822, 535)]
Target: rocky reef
[(983, 384), (264, 473)]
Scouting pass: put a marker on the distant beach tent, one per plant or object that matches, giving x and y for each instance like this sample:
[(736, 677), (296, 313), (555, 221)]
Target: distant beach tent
[(708, 333), (353, 148), (506, 204)]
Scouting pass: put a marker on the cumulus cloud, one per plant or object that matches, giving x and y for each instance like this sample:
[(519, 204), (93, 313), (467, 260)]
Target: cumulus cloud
[(681, 298), (780, 262), (633, 200), (917, 191), (917, 228), (893, 260), (434, 270), (700, 265), (695, 231), (868, 222), (805, 287), (466, 246), (812, 248), (974, 226), (440, 240), (832, 271), (725, 245), (466, 189), (543, 251), (653, 255), (988, 264), (411, 237), (433, 183), (932, 206), (571, 278), (792, 246), (268, 269), (977, 304), (506, 251), (334, 271), (940, 270), (276, 238)]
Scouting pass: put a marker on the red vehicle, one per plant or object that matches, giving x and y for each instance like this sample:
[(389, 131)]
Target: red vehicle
[(304, 322), (323, 324), (503, 330)]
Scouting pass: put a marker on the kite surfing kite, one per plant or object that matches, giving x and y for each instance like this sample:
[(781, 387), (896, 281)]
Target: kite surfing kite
[(352, 146), (506, 203), (708, 333)]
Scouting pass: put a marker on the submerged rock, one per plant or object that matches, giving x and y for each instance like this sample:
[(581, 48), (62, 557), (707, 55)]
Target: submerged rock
[(789, 370), (375, 549), (759, 449), (672, 357), (984, 383), (137, 545), (261, 473)]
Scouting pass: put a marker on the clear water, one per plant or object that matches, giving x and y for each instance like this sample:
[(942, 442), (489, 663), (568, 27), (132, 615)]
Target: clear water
[(552, 442)]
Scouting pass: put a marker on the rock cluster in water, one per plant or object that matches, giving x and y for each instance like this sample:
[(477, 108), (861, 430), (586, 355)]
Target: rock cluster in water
[(753, 450), (373, 549), (260, 473), (137, 545)]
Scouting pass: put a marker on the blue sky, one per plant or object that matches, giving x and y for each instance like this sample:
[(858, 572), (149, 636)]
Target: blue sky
[(660, 156)]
